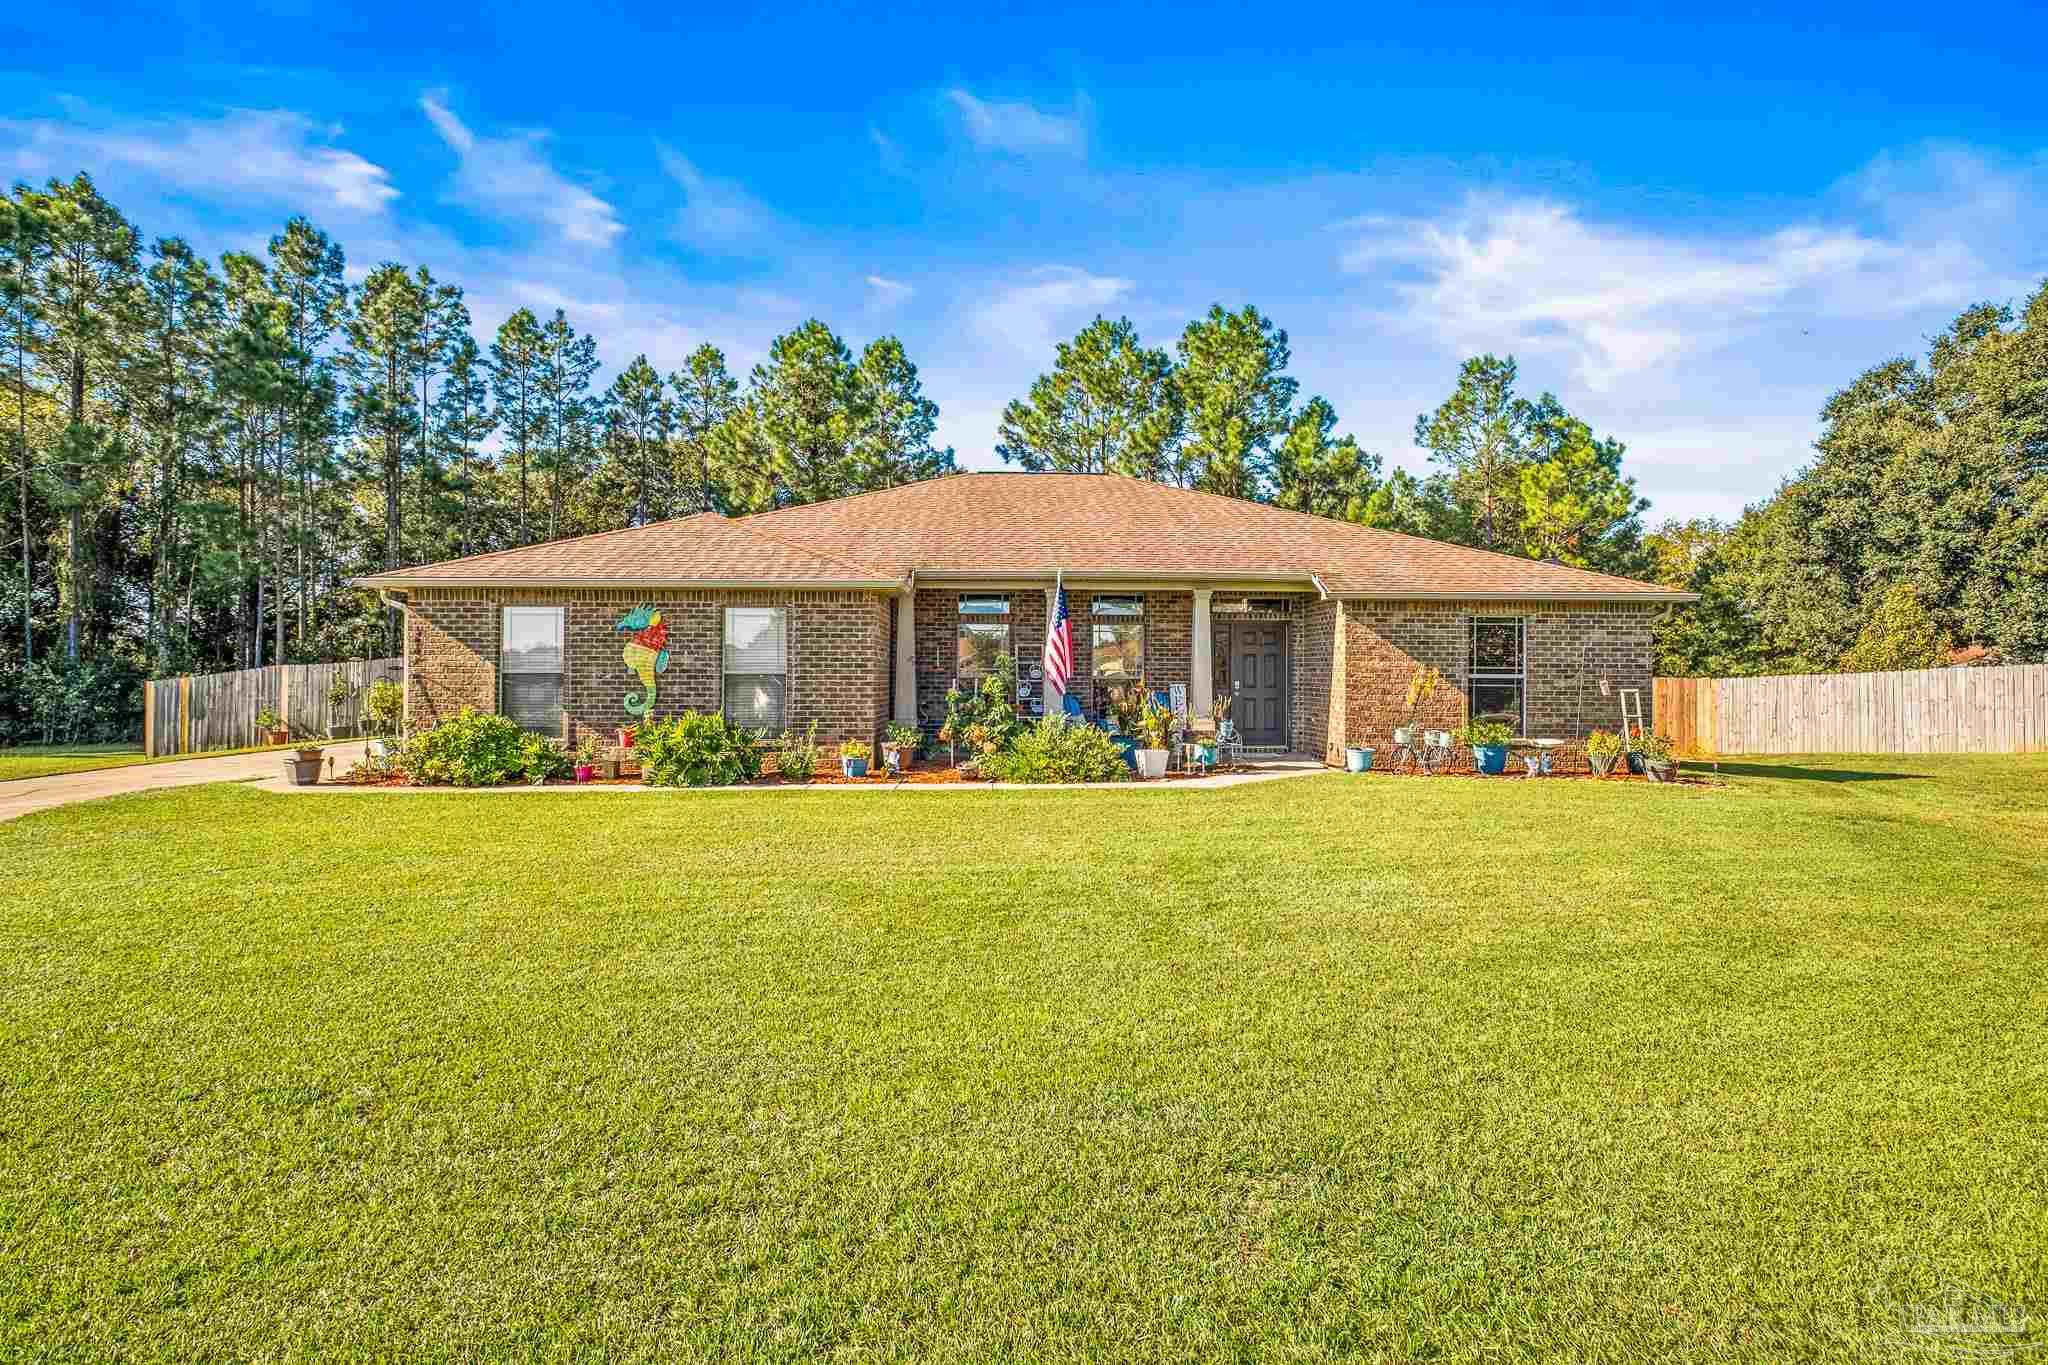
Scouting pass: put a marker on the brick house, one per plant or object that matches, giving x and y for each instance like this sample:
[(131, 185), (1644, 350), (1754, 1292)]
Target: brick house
[(868, 608)]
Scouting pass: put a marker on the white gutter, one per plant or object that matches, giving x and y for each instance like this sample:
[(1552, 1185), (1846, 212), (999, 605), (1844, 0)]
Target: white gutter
[(1532, 595), (380, 583)]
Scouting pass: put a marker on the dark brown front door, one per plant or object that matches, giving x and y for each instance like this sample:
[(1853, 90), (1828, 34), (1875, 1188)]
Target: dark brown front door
[(1258, 679)]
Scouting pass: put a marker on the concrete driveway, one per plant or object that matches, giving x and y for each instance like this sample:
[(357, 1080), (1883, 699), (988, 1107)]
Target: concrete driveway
[(42, 793)]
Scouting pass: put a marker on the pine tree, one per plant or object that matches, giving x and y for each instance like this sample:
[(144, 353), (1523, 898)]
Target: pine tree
[(306, 275), (386, 334), (568, 361), (1108, 405), (462, 421), (705, 399), (1482, 434), (24, 253), (1239, 400), (516, 380), (182, 308), (1313, 473), (637, 420)]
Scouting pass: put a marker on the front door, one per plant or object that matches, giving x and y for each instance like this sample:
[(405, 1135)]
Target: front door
[(1258, 681)]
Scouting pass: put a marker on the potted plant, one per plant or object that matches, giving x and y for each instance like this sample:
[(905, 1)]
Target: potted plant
[(1603, 750), (272, 727), (853, 758), (1660, 759), (899, 745), (383, 706), (340, 693), (1155, 724), (1125, 706), (588, 751), (1422, 685), (627, 734), (1489, 741), (304, 765)]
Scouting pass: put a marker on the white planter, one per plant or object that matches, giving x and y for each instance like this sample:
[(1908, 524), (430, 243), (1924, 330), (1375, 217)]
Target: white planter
[(1151, 762), (380, 749)]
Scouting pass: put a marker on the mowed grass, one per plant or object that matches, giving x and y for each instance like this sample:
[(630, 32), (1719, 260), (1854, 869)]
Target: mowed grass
[(1360, 1067), (56, 759)]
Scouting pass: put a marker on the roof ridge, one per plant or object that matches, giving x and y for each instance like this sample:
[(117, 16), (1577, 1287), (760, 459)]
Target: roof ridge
[(864, 493), (1384, 531)]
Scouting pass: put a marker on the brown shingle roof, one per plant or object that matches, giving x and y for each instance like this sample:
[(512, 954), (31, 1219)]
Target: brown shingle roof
[(706, 548), (1032, 524)]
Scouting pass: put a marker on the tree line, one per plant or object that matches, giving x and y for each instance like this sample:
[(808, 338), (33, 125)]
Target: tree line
[(1917, 535), (203, 453)]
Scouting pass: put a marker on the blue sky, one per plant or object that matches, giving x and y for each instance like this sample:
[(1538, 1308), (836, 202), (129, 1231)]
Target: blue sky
[(1693, 227)]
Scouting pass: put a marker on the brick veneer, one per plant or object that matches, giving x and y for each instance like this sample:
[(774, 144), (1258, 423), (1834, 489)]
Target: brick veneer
[(1569, 647), (838, 653)]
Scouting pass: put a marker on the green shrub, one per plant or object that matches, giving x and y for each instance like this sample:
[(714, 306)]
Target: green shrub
[(857, 748), (541, 759), (696, 749), (1484, 734), (984, 720), (1604, 744), (384, 706), (469, 750), (1656, 749), (1055, 751), (797, 759)]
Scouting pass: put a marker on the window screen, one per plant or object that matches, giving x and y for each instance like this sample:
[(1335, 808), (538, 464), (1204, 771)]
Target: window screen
[(1499, 670), (984, 633), (530, 656), (1116, 638), (756, 668)]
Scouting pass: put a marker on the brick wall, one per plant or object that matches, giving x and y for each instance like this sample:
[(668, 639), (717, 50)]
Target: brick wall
[(838, 655), (1319, 645), (1569, 648)]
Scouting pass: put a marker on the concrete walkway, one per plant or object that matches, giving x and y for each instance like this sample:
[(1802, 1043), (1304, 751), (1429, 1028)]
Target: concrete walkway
[(44, 793)]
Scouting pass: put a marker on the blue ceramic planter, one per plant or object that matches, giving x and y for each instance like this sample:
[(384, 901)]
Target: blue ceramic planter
[(1358, 760), (1128, 745), (853, 767), (1491, 759)]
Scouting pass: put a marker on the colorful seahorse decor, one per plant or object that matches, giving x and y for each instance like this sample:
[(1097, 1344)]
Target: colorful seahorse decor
[(646, 654)]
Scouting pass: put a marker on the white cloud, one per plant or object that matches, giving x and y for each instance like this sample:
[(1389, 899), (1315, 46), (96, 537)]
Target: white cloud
[(886, 293), (1018, 127), (512, 177), (269, 154), (721, 214), (1028, 314)]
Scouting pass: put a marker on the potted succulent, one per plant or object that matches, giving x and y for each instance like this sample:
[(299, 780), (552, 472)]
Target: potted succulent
[(1660, 759), (1155, 723), (588, 750), (272, 727), (1489, 741), (1603, 750), (383, 707), (853, 758), (899, 745)]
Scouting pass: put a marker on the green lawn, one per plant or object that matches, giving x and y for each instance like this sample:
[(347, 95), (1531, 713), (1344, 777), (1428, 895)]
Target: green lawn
[(54, 759), (1338, 1067)]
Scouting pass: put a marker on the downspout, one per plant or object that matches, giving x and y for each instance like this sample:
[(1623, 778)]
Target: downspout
[(395, 599), (1321, 587)]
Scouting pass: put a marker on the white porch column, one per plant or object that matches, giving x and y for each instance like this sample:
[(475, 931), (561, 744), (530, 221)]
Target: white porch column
[(906, 657), (1046, 696), (1201, 663)]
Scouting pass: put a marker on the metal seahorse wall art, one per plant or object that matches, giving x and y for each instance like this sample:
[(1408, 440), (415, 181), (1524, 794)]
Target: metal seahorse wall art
[(646, 653)]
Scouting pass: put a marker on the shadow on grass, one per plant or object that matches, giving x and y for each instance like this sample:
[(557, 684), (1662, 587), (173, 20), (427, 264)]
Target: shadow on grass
[(1809, 774)]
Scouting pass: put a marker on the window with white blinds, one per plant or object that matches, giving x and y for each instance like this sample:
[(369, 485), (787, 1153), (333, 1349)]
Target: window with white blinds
[(530, 655), (756, 667)]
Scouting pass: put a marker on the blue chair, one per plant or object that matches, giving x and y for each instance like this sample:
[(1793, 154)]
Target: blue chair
[(1071, 704)]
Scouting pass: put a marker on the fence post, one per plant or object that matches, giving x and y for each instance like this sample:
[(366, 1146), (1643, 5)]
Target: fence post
[(185, 714), (149, 720)]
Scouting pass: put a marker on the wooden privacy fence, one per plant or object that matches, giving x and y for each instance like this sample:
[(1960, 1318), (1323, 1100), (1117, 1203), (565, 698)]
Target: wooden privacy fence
[(192, 714), (1919, 711)]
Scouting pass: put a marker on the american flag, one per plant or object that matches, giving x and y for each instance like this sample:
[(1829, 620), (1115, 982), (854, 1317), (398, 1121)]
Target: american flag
[(1059, 644)]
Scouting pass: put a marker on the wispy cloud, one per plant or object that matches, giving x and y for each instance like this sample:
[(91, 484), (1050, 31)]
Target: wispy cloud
[(885, 293), (511, 177), (1029, 313), (719, 214), (269, 154), (1018, 127)]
